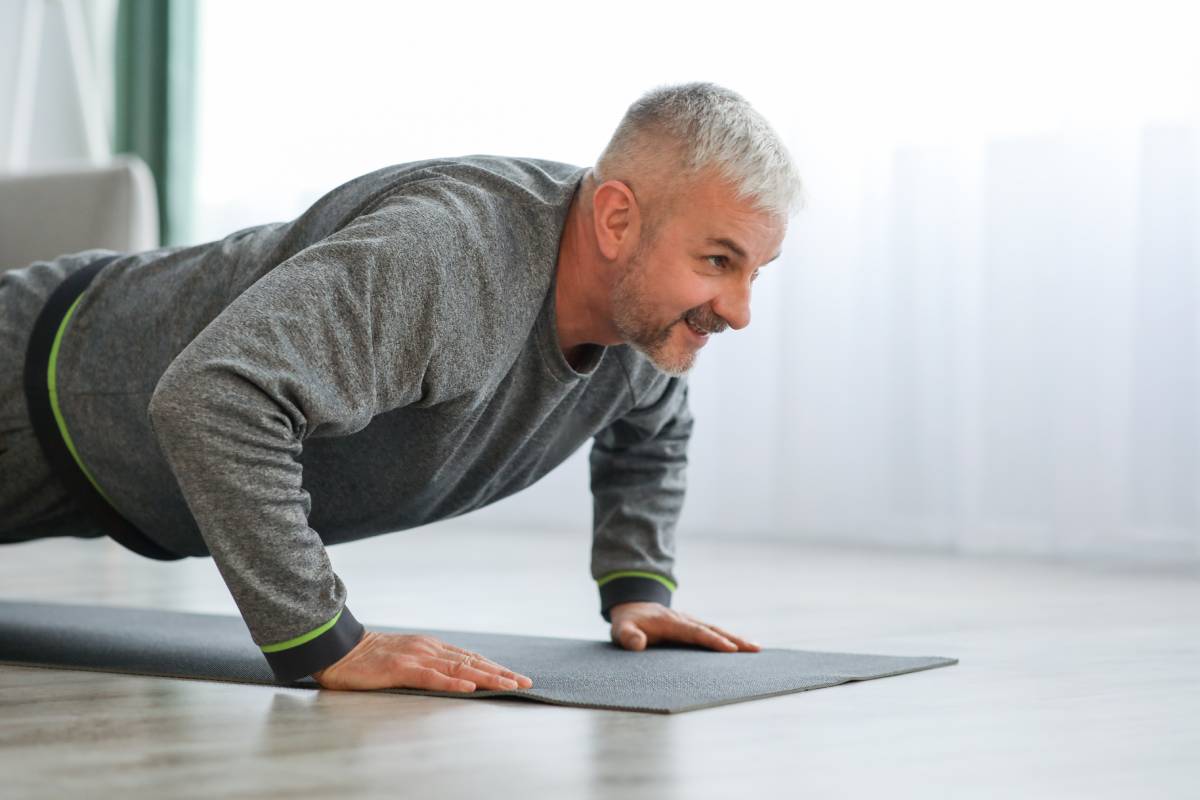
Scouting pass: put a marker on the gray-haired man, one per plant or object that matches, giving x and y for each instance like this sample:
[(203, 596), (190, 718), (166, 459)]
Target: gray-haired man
[(423, 341)]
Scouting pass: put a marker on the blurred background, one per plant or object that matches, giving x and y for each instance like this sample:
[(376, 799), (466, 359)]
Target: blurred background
[(982, 336)]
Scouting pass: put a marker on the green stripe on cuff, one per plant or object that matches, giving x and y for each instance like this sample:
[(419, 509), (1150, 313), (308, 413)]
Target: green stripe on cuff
[(299, 640), (52, 385), (635, 574), (315, 654)]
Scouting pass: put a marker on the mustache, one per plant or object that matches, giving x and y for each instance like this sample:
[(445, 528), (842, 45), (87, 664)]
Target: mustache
[(712, 324)]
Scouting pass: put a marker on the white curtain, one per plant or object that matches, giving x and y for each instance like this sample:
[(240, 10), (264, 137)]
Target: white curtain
[(982, 335), (56, 98)]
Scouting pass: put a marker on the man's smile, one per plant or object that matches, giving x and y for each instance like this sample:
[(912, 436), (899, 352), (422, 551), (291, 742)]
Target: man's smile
[(699, 335)]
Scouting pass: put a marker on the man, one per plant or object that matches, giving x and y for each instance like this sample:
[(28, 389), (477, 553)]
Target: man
[(423, 341)]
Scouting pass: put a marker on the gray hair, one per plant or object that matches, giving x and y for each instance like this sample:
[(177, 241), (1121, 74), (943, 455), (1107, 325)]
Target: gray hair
[(711, 127)]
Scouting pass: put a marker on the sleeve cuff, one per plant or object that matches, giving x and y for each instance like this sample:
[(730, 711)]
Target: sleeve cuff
[(628, 587), (315, 650)]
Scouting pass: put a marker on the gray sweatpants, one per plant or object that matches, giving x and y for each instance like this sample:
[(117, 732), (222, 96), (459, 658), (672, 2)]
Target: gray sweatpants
[(34, 504)]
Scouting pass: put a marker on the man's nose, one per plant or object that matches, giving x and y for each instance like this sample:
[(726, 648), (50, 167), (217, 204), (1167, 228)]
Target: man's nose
[(733, 305)]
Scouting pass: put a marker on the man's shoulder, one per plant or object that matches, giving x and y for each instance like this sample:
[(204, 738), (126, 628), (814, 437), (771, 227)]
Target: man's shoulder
[(477, 238), (480, 211), (507, 179), (483, 198), (539, 178)]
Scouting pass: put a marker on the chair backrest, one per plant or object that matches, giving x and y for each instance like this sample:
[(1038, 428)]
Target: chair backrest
[(47, 213)]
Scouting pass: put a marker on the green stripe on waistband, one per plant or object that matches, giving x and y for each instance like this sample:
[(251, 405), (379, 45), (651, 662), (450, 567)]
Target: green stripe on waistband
[(635, 574), (299, 640), (52, 382)]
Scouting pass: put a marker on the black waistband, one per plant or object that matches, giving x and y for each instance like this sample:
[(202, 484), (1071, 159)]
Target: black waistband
[(45, 426)]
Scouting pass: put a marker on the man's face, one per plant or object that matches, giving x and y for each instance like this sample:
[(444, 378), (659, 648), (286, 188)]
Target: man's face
[(686, 275)]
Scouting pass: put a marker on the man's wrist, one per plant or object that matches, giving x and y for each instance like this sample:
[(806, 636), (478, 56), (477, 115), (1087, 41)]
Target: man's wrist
[(630, 586), (616, 607), (316, 651)]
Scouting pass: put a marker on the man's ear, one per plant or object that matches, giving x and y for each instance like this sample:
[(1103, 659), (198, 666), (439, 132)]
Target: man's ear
[(616, 217)]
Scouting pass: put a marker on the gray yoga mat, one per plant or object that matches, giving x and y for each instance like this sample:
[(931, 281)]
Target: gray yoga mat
[(663, 679)]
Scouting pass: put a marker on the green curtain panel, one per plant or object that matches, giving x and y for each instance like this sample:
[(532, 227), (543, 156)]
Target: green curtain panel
[(155, 101)]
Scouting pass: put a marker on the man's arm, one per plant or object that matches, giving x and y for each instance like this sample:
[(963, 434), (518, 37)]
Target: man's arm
[(321, 343), (638, 481)]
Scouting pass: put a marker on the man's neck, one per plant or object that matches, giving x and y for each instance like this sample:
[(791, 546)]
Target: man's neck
[(580, 295)]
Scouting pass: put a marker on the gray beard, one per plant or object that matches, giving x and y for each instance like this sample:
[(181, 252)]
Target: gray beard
[(635, 323)]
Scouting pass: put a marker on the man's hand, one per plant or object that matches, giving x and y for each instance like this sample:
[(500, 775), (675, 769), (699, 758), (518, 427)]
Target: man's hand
[(637, 624), (413, 661)]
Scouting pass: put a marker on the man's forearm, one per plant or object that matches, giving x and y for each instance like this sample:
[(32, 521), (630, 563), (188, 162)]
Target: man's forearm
[(638, 483)]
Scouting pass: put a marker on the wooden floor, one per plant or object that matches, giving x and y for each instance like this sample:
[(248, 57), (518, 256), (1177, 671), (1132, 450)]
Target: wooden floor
[(1073, 682)]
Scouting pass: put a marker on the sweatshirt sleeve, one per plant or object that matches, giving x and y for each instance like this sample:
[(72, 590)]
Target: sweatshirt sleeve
[(338, 333), (638, 480)]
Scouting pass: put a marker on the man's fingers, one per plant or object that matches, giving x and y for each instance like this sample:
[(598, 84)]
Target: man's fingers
[(744, 644), (483, 662), (698, 633), (478, 673), (458, 651), (680, 627), (455, 649), (631, 637), (430, 678)]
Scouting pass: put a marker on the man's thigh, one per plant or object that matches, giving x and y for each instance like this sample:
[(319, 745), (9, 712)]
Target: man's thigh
[(34, 504)]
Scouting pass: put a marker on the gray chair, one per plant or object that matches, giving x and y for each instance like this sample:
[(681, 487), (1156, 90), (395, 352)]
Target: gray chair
[(47, 213)]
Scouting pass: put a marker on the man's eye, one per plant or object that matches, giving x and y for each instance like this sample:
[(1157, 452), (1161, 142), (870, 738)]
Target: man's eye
[(722, 258)]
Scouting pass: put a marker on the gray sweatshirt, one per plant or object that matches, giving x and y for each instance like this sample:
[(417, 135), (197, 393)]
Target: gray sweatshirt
[(387, 359)]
